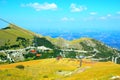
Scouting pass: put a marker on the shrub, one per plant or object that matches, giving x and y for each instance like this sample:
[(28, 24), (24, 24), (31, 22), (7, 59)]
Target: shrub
[(20, 67), (59, 70), (9, 74), (45, 76)]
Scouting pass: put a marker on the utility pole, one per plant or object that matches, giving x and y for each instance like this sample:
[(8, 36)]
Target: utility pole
[(80, 62), (80, 57)]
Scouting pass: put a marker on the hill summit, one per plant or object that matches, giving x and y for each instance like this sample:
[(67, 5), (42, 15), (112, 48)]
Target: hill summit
[(10, 34)]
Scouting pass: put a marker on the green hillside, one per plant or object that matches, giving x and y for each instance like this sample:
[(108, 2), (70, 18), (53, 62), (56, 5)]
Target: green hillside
[(14, 37), (9, 35), (85, 44)]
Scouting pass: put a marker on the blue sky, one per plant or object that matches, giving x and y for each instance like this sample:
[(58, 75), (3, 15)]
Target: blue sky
[(62, 15)]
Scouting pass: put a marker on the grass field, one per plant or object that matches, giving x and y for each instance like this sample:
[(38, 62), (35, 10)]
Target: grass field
[(64, 69)]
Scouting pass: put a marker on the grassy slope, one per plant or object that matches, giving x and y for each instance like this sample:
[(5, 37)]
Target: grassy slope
[(50, 69), (12, 33)]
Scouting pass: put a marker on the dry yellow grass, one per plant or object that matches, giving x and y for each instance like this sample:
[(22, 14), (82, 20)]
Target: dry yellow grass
[(64, 69)]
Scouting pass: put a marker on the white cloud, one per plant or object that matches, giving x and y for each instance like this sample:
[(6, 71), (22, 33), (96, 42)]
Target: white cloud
[(93, 13), (77, 9), (109, 15), (118, 12), (67, 19), (103, 18), (38, 6), (64, 19)]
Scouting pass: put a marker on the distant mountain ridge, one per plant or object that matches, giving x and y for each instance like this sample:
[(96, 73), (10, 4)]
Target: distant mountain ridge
[(85, 44), (14, 37), (111, 38)]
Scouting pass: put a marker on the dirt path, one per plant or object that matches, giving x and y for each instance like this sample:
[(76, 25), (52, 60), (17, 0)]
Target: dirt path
[(69, 73)]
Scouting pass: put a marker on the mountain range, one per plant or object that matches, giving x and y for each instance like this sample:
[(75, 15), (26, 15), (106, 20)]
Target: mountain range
[(110, 38), (14, 37)]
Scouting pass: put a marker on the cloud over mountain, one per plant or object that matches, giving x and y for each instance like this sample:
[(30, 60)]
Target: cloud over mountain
[(37, 6)]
